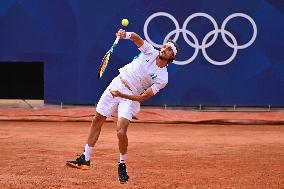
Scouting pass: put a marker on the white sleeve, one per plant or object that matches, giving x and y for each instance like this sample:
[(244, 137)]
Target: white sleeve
[(147, 48), (158, 85)]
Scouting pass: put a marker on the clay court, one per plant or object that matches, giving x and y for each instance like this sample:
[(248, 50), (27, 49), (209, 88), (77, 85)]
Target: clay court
[(209, 76), (160, 155)]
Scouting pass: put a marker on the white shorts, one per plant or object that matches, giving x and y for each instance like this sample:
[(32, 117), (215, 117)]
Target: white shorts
[(108, 104)]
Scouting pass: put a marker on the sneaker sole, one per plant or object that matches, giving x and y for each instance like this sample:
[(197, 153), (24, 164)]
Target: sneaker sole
[(122, 182), (82, 167)]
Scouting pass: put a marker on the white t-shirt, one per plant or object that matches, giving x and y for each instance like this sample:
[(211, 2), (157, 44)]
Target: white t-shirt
[(143, 71)]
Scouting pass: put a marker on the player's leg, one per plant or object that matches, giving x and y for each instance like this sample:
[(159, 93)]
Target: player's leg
[(122, 125), (126, 110), (95, 129), (83, 161), (94, 134), (105, 107)]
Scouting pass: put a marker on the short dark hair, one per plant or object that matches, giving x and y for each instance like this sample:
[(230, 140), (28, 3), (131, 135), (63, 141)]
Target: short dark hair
[(177, 47)]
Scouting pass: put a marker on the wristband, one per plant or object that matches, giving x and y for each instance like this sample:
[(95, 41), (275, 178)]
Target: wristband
[(127, 35)]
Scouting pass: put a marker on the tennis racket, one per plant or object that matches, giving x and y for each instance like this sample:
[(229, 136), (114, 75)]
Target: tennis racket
[(106, 58)]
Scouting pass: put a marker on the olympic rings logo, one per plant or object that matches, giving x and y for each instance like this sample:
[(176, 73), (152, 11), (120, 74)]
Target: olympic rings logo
[(205, 44)]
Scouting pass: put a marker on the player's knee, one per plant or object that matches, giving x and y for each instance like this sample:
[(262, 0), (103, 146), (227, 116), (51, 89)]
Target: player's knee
[(121, 134), (98, 118)]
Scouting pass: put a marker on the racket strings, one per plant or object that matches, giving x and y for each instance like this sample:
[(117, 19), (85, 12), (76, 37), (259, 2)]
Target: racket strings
[(104, 64)]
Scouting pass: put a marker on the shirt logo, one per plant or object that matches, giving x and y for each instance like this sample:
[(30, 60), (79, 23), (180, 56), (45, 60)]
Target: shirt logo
[(153, 75)]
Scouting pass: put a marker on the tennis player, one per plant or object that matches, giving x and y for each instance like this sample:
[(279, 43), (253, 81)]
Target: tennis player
[(138, 81)]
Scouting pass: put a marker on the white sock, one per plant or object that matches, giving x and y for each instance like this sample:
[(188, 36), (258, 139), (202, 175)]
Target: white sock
[(87, 152), (122, 158)]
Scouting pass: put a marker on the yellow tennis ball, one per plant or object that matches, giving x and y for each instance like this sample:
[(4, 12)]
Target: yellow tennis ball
[(124, 22)]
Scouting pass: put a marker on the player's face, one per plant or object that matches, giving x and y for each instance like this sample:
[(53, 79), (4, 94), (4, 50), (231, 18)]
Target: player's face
[(166, 52)]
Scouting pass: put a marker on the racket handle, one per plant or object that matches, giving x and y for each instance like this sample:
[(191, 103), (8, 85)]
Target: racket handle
[(116, 40)]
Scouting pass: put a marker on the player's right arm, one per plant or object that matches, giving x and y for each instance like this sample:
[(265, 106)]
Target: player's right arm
[(140, 98), (137, 40)]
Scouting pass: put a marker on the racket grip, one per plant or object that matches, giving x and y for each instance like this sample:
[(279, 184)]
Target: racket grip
[(116, 40)]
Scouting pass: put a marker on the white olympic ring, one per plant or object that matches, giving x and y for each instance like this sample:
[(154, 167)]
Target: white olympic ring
[(195, 44)]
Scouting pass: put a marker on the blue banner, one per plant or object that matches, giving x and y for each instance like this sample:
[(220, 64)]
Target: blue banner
[(231, 51)]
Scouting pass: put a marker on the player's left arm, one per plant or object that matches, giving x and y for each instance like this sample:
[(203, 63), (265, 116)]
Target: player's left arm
[(140, 98)]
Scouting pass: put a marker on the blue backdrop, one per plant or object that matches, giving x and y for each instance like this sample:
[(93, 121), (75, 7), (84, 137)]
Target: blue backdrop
[(72, 36)]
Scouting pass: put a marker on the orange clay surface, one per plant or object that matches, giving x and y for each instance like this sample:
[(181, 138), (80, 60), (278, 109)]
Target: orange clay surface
[(33, 155)]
